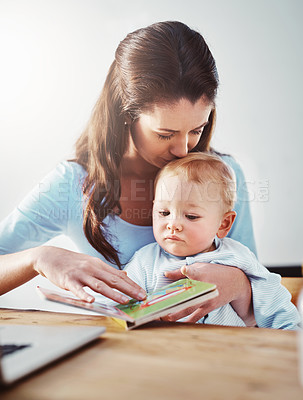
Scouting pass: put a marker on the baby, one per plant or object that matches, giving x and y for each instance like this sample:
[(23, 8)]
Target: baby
[(192, 215)]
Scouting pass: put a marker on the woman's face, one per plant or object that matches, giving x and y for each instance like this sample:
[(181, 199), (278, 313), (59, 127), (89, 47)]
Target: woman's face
[(169, 131)]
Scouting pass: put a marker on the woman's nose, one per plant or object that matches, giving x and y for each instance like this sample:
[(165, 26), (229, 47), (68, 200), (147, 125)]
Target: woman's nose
[(180, 147)]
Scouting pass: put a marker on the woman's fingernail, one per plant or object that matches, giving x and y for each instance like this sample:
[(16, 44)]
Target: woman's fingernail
[(142, 295)]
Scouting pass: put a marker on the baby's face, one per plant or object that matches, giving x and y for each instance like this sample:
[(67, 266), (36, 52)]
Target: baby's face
[(186, 215)]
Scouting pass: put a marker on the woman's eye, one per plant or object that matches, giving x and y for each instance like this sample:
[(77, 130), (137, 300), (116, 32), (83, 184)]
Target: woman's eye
[(199, 132), (188, 216), (163, 137), (164, 213)]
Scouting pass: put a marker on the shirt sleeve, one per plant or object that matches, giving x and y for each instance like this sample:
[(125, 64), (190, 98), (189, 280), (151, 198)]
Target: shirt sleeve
[(242, 229), (225, 316), (271, 300), (135, 270), (42, 215)]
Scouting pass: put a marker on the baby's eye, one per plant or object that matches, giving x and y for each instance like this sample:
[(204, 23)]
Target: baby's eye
[(189, 216), (164, 213)]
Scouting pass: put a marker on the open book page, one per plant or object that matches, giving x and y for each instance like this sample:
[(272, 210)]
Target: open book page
[(173, 297), (96, 307)]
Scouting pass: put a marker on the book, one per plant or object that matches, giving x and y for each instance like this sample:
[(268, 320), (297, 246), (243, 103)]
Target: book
[(170, 298)]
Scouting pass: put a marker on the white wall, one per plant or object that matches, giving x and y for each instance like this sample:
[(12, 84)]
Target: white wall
[(54, 57)]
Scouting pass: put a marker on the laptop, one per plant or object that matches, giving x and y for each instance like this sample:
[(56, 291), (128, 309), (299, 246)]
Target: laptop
[(27, 348)]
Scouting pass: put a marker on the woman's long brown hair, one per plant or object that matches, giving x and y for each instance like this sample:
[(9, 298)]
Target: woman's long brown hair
[(161, 63)]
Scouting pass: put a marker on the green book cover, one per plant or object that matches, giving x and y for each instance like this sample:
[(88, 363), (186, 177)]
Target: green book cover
[(166, 297)]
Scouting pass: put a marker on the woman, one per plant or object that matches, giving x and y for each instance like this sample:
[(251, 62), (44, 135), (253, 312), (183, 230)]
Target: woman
[(157, 104)]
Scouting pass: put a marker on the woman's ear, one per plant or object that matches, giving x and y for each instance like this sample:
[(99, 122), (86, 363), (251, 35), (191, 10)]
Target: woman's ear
[(128, 120), (226, 224)]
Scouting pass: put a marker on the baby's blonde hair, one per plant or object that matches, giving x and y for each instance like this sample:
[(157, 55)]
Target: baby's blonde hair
[(204, 168)]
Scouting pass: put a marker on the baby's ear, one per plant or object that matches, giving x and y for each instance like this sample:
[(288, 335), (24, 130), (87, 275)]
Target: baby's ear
[(226, 224)]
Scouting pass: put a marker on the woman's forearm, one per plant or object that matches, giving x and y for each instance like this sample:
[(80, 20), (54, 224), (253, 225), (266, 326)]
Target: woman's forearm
[(16, 269), (243, 305), (68, 270)]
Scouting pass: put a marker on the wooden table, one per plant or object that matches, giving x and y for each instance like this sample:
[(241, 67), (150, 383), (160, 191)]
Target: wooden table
[(165, 361)]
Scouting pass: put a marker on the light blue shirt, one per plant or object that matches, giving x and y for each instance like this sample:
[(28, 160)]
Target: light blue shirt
[(272, 301), (55, 206)]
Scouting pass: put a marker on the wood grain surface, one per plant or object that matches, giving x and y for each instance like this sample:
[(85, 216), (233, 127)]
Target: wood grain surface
[(164, 361)]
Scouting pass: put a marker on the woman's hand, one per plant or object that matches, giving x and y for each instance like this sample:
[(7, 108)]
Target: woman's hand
[(72, 271), (232, 284)]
